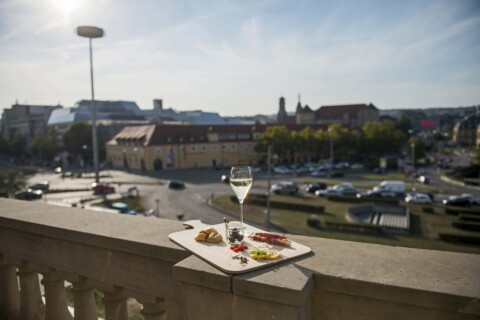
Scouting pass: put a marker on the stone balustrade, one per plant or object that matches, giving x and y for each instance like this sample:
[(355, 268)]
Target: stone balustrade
[(131, 257)]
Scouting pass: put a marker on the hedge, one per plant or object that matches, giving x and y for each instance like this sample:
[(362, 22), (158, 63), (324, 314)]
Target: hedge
[(460, 238), (467, 225), (261, 200), (350, 199), (353, 227), (451, 210), (468, 217)]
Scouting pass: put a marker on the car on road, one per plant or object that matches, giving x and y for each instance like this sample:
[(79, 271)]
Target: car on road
[(463, 200), (176, 185), (285, 187), (43, 185), (102, 188), (311, 188), (424, 179), (342, 189), (418, 197), (225, 178), (28, 194)]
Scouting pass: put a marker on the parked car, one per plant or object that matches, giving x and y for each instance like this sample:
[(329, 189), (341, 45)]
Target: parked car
[(176, 184), (28, 194), (318, 173), (418, 197), (357, 166), (284, 187), (311, 188), (122, 208), (337, 174), (281, 170), (43, 185), (342, 165), (102, 188), (342, 189), (225, 178)]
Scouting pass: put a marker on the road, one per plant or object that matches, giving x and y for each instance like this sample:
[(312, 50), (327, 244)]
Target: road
[(191, 202)]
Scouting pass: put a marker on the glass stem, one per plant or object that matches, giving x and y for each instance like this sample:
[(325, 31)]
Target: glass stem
[(241, 212)]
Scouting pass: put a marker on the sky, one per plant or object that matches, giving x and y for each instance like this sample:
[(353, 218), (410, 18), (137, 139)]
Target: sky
[(240, 57)]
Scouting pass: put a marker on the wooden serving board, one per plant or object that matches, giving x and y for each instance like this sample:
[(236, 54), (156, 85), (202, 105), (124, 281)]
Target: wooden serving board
[(221, 256)]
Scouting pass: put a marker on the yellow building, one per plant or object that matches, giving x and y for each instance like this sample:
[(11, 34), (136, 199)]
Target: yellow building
[(157, 147)]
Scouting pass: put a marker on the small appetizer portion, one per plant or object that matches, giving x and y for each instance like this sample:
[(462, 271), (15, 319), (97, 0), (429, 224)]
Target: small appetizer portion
[(271, 238), (209, 235), (260, 254)]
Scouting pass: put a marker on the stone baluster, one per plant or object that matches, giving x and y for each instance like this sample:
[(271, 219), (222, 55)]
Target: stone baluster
[(84, 300), (115, 305), (31, 304), (154, 311), (9, 293), (55, 297)]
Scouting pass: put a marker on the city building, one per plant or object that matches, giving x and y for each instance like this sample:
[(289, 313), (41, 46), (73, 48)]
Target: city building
[(116, 114), (157, 147), (29, 121), (465, 131), (355, 115)]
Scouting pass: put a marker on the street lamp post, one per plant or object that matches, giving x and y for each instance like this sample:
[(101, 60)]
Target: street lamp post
[(91, 33), (331, 152), (413, 166)]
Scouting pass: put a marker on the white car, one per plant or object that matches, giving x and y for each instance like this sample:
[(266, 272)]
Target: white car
[(418, 197), (343, 189), (285, 187)]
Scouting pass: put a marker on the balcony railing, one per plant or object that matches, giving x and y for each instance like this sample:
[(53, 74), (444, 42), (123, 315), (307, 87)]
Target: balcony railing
[(124, 256)]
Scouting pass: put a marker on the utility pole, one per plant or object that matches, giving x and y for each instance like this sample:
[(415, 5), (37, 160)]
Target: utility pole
[(269, 170), (413, 166)]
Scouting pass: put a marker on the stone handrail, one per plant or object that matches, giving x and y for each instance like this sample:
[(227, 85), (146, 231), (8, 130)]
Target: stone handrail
[(127, 256)]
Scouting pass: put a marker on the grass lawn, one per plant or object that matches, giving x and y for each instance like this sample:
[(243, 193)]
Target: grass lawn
[(132, 202), (425, 227)]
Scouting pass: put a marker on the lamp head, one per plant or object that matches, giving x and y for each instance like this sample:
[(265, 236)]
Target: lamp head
[(90, 32)]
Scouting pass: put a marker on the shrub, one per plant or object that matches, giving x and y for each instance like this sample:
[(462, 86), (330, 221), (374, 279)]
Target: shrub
[(261, 200), (460, 238), (353, 227)]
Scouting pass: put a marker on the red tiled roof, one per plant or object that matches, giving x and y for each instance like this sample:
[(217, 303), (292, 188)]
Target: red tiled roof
[(178, 134)]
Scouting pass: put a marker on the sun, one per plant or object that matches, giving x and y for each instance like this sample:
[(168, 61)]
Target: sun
[(67, 6)]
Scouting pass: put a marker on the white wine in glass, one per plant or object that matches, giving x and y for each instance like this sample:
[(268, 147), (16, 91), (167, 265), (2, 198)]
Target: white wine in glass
[(241, 182)]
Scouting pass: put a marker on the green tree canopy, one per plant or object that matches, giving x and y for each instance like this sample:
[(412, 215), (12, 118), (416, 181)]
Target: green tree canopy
[(78, 139), (44, 147), (11, 181)]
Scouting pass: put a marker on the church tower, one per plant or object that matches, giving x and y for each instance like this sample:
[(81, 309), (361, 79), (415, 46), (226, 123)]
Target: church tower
[(282, 113)]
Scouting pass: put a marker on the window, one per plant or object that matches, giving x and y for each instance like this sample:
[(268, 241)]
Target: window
[(249, 146), (193, 148), (214, 147), (234, 147), (224, 147), (241, 146), (158, 150), (204, 148)]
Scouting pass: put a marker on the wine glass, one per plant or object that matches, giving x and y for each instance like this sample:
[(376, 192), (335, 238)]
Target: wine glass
[(241, 182)]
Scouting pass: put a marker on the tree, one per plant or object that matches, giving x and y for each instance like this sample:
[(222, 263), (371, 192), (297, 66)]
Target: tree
[(419, 147), (78, 140), (280, 138), (11, 181), (403, 124), (44, 147), (380, 138)]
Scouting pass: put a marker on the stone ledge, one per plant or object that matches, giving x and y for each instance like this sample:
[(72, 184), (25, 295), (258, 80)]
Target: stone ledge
[(194, 270), (144, 236)]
